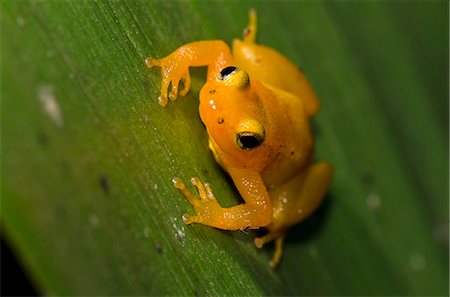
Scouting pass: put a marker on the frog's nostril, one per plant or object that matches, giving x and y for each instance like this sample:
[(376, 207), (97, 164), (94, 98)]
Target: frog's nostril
[(227, 71)]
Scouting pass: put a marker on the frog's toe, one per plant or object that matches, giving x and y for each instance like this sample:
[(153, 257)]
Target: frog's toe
[(162, 100), (174, 91), (150, 62), (201, 188), (278, 237), (186, 79), (278, 251), (178, 183), (259, 242), (187, 219)]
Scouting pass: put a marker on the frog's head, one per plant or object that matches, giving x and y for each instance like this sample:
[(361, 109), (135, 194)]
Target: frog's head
[(235, 119)]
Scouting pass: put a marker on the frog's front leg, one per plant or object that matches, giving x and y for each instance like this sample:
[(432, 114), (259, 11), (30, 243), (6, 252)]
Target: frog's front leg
[(254, 213), (175, 67)]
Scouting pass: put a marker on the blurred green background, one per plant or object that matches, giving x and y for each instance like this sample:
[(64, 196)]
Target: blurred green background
[(88, 154)]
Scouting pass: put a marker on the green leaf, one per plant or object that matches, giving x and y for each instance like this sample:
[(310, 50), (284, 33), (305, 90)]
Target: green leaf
[(88, 154)]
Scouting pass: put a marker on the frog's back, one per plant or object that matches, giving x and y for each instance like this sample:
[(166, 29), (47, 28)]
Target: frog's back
[(270, 67)]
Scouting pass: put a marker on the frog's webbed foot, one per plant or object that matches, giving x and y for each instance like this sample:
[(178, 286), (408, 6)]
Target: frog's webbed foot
[(278, 237), (172, 72), (206, 207)]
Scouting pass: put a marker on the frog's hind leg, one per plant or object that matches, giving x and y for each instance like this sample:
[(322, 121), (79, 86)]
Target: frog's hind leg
[(249, 34), (312, 192), (293, 209)]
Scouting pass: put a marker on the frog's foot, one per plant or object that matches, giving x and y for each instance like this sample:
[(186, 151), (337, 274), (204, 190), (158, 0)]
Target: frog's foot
[(206, 207), (278, 237), (171, 75)]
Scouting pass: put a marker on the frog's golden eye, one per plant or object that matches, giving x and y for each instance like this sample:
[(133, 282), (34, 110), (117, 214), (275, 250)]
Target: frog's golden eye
[(233, 76), (250, 134), (230, 70), (249, 140)]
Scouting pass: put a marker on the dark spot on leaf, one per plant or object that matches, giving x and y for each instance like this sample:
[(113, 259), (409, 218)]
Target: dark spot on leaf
[(146, 84), (104, 184), (292, 153), (212, 91), (42, 139), (220, 121), (368, 178), (158, 247)]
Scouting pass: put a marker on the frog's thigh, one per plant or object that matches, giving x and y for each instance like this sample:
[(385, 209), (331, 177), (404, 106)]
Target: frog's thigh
[(293, 202), (304, 194)]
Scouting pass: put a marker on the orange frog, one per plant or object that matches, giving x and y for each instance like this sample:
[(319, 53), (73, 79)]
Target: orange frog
[(256, 106)]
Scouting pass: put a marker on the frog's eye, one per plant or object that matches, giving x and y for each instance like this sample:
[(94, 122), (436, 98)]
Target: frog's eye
[(230, 70), (233, 76), (249, 140), (250, 134)]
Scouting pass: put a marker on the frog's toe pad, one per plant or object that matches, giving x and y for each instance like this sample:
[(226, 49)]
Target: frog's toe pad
[(187, 219), (259, 242), (152, 62)]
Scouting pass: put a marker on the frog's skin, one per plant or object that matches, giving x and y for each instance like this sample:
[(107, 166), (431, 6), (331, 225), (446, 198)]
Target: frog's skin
[(256, 106)]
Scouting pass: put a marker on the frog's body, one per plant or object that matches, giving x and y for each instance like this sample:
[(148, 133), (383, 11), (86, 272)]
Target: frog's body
[(256, 106)]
